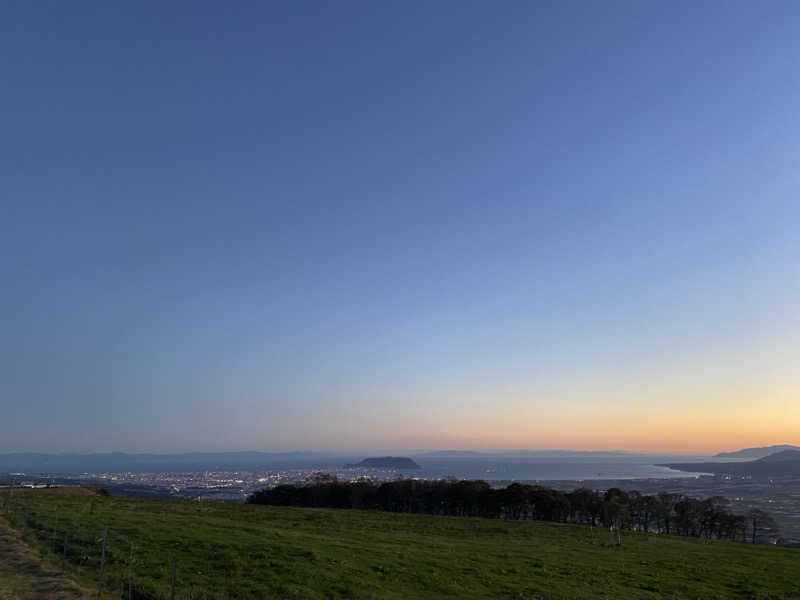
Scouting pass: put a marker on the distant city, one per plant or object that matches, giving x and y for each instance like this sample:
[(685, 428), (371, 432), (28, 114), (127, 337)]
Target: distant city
[(225, 486)]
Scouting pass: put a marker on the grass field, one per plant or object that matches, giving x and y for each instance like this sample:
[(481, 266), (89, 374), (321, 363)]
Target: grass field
[(245, 551)]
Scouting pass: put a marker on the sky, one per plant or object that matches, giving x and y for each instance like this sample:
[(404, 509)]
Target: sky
[(362, 226)]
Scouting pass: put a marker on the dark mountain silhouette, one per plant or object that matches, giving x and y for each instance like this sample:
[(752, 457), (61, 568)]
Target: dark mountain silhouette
[(780, 464), (759, 452), (785, 455), (386, 462)]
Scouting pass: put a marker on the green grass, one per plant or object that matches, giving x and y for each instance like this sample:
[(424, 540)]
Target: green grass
[(243, 551)]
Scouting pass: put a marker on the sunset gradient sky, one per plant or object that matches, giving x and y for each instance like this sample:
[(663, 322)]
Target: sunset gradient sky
[(397, 225)]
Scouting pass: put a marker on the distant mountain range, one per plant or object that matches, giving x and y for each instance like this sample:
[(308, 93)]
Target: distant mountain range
[(450, 453), (521, 453), (785, 463), (143, 463), (754, 453)]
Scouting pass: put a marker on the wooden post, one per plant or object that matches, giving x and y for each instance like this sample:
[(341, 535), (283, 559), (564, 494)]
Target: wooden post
[(65, 548), (102, 563), (172, 581), (130, 573)]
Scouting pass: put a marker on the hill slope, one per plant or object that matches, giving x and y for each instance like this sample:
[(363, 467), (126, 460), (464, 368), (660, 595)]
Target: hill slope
[(756, 452), (783, 456), (781, 464), (246, 551)]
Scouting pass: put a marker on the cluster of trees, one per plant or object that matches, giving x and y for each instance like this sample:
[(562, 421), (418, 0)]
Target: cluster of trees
[(617, 509)]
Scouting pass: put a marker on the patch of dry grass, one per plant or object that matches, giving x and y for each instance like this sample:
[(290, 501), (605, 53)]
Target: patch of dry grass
[(23, 573)]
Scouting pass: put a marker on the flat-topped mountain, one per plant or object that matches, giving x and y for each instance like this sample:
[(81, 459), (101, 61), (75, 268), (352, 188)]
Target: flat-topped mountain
[(759, 452), (386, 462)]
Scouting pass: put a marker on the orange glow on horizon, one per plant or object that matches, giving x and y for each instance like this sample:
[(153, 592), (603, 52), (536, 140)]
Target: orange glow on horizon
[(682, 428)]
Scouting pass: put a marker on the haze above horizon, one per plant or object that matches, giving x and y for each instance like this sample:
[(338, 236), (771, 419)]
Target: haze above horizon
[(368, 226)]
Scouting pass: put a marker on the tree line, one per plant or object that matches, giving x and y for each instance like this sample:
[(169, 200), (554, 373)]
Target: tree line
[(616, 509)]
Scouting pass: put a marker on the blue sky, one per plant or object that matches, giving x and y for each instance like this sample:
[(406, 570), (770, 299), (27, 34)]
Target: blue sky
[(357, 226)]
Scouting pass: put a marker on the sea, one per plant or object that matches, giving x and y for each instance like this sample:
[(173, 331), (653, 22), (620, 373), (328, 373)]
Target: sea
[(536, 468), (549, 468)]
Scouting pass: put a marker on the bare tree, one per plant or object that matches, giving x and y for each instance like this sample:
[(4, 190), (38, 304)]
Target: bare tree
[(759, 521)]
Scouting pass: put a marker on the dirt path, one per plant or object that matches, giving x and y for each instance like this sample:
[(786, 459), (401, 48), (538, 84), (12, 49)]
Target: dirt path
[(24, 575)]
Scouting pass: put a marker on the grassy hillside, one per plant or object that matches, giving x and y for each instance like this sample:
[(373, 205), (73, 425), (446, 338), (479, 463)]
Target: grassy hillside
[(244, 551)]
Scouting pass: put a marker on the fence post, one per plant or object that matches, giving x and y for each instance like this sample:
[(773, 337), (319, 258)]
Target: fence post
[(130, 572), (172, 581), (102, 563)]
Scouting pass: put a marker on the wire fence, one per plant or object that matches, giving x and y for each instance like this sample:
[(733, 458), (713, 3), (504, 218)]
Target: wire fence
[(89, 548)]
